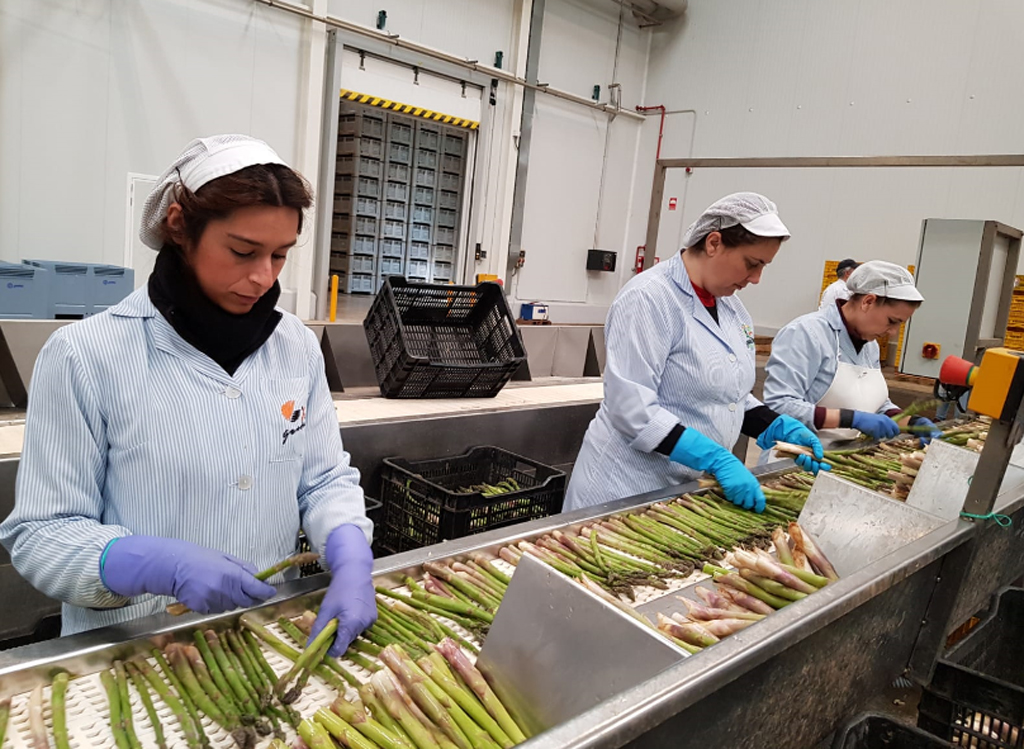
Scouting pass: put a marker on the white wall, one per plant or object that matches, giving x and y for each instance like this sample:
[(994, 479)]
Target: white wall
[(861, 77), (92, 91), (581, 166)]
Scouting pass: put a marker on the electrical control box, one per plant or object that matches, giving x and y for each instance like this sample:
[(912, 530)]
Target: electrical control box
[(600, 260)]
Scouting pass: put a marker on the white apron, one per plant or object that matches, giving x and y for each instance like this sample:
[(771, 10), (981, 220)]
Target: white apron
[(856, 388)]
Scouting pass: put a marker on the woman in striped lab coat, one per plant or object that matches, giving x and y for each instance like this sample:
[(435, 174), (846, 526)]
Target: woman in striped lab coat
[(175, 443), (824, 369), (680, 368)]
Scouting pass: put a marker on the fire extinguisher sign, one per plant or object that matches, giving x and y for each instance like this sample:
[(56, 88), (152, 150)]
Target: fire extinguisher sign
[(672, 203)]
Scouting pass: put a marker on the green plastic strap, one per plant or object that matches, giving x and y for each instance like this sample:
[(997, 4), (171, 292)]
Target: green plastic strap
[(1003, 521)]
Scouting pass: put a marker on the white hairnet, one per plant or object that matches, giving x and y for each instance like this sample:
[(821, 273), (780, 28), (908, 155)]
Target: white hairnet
[(885, 280), (203, 160), (754, 212)]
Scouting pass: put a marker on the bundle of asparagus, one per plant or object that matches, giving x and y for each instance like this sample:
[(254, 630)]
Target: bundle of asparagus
[(759, 585)]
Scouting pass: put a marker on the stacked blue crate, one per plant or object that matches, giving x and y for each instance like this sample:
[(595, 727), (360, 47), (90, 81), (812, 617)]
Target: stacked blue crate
[(24, 292), (81, 289), (70, 288)]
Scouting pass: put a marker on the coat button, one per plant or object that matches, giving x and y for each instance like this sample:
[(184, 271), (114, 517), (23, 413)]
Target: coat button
[(732, 357), (245, 483), (732, 406), (232, 393)]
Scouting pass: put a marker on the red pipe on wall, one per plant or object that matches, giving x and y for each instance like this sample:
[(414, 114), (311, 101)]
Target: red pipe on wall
[(661, 127)]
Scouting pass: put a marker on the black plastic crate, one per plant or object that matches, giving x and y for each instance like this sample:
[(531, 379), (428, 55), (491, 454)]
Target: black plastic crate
[(373, 511), (877, 731), (441, 341), (425, 502), (976, 697)]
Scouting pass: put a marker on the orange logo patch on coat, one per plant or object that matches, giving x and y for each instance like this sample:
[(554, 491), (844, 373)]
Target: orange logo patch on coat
[(292, 415)]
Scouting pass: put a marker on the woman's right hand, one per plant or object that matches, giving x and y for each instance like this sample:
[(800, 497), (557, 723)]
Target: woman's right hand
[(876, 426), (700, 453), (205, 580)]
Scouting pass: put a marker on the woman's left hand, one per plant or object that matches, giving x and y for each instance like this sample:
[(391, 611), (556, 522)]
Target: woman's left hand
[(350, 598), (787, 429), (925, 429)]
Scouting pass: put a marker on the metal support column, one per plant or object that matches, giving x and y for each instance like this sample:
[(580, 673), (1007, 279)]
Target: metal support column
[(328, 155), (515, 242), (654, 215)]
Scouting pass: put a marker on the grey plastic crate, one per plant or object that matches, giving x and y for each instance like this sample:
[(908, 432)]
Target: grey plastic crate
[(426, 158), (445, 235), (417, 269), (343, 205), (361, 123), (446, 217), (419, 251), (358, 283), (392, 247), (444, 254), (350, 144), (397, 191), (454, 143), (428, 137), (396, 210), (400, 130), (346, 263), (423, 195), (420, 233), (398, 172), (342, 241), (391, 266), (426, 177), (452, 163), (394, 229), (423, 214), (366, 225), (367, 206), (399, 153), (344, 184), (448, 199), (442, 271), (350, 164), (368, 187), (451, 182)]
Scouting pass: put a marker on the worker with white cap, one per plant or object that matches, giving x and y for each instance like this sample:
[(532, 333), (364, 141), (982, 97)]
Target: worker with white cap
[(824, 367), (837, 289), (175, 443), (680, 368)]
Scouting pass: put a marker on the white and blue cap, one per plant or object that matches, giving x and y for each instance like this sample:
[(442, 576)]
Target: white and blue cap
[(752, 211), (885, 280), (202, 161)]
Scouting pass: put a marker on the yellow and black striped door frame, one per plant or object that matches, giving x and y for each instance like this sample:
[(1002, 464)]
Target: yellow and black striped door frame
[(409, 109)]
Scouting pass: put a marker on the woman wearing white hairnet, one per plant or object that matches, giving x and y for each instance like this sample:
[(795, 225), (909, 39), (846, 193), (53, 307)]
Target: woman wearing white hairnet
[(175, 443), (824, 369), (680, 367)]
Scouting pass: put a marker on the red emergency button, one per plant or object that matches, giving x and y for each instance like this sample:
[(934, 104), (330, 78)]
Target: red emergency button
[(931, 350)]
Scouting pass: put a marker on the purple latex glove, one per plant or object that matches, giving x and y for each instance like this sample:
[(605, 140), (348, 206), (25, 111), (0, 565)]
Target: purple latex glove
[(205, 580), (350, 598)]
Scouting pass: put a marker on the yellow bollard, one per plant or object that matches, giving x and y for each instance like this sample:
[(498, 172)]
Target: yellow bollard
[(333, 314)]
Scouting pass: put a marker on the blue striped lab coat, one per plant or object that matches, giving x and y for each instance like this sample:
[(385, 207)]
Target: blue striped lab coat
[(803, 363), (131, 430), (667, 362)]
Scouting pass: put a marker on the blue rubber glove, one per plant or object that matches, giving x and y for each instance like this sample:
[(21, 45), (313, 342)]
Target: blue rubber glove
[(920, 422), (700, 453), (205, 580), (350, 598), (876, 426), (787, 429)]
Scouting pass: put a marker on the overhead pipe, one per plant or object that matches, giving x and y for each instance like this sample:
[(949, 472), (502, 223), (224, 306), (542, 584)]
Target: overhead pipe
[(661, 127), (436, 54)]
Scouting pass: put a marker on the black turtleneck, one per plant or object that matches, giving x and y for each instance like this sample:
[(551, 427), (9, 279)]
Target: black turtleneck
[(226, 338)]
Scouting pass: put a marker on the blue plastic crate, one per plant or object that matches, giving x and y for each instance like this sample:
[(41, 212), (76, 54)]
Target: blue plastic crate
[(111, 284), (24, 292), (71, 287)]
